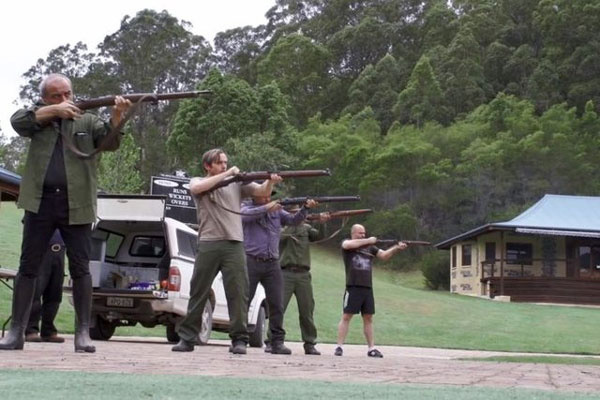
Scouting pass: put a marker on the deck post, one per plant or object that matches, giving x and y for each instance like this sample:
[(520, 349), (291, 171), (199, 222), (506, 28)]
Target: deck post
[(501, 263)]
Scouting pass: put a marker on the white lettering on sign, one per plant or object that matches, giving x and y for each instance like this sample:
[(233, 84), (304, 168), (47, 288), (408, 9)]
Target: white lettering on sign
[(182, 197)]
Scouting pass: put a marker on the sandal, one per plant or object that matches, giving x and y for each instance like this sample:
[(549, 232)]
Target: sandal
[(375, 353)]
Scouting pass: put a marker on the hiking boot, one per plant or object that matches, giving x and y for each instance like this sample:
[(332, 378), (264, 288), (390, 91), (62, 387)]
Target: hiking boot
[(54, 338), (338, 351), (280, 348), (374, 353), (33, 337), (238, 348), (183, 345), (268, 347), (311, 350)]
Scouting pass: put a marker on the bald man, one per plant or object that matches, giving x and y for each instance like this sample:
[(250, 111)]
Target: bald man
[(359, 252), (58, 191)]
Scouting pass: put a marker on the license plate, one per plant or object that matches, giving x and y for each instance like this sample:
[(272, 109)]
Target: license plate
[(119, 302)]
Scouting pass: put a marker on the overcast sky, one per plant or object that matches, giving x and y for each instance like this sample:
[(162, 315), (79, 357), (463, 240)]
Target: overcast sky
[(30, 29)]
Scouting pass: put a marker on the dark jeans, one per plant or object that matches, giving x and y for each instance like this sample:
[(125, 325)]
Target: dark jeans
[(48, 294), (268, 273), (38, 229)]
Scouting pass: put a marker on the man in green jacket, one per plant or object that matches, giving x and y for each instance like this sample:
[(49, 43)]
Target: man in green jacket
[(58, 191), (294, 249)]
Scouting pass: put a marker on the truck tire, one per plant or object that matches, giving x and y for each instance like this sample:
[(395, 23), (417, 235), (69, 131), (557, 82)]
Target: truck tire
[(206, 328), (172, 335), (102, 329), (257, 338)]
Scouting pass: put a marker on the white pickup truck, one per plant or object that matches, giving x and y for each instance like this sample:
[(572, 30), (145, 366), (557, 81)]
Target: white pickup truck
[(141, 266)]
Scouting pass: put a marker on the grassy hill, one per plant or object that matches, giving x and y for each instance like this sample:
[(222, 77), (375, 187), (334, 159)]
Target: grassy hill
[(406, 313)]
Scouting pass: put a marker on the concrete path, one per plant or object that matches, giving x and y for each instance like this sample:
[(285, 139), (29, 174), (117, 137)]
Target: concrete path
[(400, 365)]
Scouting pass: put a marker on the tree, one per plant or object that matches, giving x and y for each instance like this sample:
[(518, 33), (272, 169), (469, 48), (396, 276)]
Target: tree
[(378, 87), (300, 68), (237, 51), (233, 112), (461, 75), (118, 172), (421, 100), (13, 152), (73, 61), (155, 52), (356, 46)]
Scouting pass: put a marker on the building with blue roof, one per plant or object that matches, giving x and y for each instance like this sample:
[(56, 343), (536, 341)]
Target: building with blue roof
[(548, 253)]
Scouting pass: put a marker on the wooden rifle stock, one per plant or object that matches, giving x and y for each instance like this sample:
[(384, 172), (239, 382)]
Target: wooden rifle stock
[(106, 101), (341, 214), (319, 199), (263, 175)]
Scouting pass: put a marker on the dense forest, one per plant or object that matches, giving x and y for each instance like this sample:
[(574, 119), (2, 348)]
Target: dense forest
[(442, 115)]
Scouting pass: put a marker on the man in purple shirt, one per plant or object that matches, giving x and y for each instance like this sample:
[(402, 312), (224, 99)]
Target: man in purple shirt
[(262, 221)]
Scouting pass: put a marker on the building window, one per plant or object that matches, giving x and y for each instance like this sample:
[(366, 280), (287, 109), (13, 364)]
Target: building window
[(453, 261), (589, 258), (466, 255), (519, 253), (584, 257), (490, 251)]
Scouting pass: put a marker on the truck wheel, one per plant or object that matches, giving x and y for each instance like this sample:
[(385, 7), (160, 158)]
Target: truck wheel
[(206, 328), (257, 338), (102, 329), (172, 335)]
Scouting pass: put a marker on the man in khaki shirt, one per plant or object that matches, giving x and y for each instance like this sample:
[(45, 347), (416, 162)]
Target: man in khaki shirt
[(220, 248)]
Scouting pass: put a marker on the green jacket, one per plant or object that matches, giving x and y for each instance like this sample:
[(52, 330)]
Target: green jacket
[(86, 133), (294, 244)]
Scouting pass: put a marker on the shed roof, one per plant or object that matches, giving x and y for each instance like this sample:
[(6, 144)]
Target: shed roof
[(552, 215), (9, 184)]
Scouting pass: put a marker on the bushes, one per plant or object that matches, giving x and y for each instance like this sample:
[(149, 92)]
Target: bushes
[(436, 270)]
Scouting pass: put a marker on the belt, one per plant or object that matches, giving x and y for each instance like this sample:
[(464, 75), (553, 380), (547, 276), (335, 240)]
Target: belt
[(56, 247), (53, 190), (295, 268), (263, 259)]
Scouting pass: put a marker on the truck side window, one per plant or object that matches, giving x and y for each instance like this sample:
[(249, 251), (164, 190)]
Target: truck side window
[(187, 243)]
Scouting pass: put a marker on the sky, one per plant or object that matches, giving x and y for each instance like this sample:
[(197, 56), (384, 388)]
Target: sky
[(29, 30)]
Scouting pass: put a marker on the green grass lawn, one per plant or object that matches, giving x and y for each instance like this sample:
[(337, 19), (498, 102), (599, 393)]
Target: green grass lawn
[(23, 384), (407, 314), (535, 359)]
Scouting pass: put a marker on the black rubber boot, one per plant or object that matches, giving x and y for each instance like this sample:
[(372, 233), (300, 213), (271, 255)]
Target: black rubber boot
[(183, 345), (82, 302), (21, 306)]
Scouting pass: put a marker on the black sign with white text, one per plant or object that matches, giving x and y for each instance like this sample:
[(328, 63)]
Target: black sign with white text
[(180, 205)]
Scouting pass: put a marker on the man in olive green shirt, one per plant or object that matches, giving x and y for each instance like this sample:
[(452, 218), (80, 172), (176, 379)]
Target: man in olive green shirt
[(58, 191), (295, 264)]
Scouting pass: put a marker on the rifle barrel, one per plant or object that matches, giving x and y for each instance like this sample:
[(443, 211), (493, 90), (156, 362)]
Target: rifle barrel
[(319, 199), (262, 175), (106, 101), (384, 242)]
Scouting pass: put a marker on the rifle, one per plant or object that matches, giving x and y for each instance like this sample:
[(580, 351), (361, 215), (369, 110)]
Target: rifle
[(341, 214), (139, 97), (319, 199), (247, 177), (392, 242), (136, 99)]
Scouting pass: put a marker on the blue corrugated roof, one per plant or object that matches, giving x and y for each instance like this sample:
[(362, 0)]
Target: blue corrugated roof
[(10, 177), (576, 213), (573, 215)]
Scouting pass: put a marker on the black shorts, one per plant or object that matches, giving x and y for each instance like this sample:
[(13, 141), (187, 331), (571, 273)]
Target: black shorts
[(359, 299)]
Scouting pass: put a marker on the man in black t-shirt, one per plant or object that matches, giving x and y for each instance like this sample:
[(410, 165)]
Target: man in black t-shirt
[(359, 253)]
